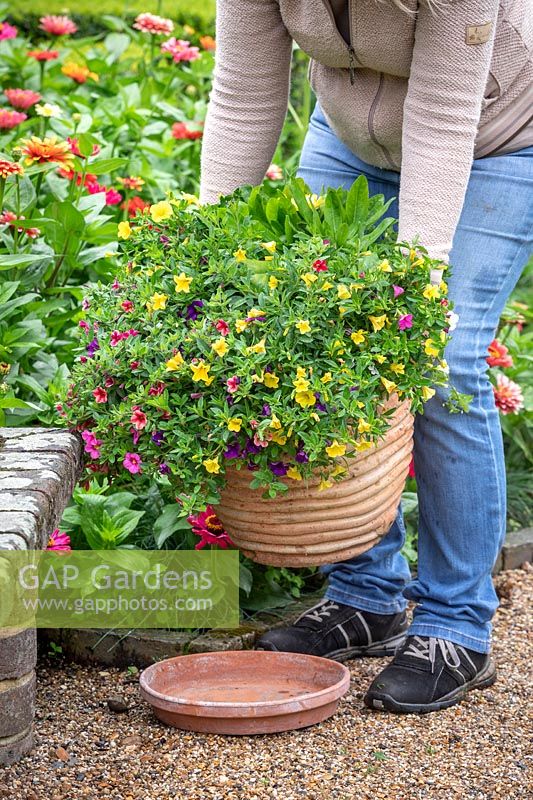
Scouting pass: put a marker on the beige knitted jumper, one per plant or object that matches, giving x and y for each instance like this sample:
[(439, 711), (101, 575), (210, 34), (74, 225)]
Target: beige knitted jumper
[(423, 92)]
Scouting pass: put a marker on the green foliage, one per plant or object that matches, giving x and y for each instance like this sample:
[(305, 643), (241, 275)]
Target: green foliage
[(101, 521)]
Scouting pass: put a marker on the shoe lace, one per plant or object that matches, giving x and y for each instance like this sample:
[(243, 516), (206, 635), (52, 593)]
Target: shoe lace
[(426, 649), (322, 609)]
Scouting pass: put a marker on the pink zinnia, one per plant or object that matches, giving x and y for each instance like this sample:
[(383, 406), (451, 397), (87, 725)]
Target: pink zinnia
[(112, 197), (210, 529), (498, 355), (151, 23), (405, 322), (100, 395), (274, 173), (57, 25), (320, 265), (58, 541), (22, 98), (508, 395), (180, 50), (76, 150), (7, 31), (10, 119), (222, 327), (138, 419), (397, 290), (132, 462), (233, 384)]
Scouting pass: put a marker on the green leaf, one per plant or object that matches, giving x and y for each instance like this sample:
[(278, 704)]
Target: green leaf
[(18, 260), (104, 165)]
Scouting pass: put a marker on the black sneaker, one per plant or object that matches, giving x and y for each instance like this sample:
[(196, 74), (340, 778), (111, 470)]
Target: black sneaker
[(428, 674), (334, 630)]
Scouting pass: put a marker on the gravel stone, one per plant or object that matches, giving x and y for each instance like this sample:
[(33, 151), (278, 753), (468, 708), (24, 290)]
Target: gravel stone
[(478, 750)]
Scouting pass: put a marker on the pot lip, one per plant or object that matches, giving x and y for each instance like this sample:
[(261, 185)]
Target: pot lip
[(252, 708)]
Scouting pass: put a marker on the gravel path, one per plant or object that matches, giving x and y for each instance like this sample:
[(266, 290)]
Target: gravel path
[(480, 749)]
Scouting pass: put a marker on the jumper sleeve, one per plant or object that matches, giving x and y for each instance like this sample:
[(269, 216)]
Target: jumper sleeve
[(249, 98), (441, 114)]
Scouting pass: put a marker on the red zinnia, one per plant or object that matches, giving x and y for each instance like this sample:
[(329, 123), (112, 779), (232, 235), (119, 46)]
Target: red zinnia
[(135, 204), (7, 31), (181, 131), (498, 355), (43, 55)]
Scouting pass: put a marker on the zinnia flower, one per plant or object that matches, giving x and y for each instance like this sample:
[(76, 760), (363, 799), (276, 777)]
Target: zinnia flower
[(207, 42), (58, 541), (7, 31), (151, 23), (48, 110), (181, 131), (43, 55), (180, 50), (508, 395), (135, 204), (10, 119), (9, 218), (132, 462), (43, 151), (498, 355), (73, 143), (8, 168), (209, 528), (78, 72), (133, 182), (22, 98), (57, 25), (274, 173)]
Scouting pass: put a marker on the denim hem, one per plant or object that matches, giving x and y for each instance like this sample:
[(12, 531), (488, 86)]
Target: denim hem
[(479, 645), (364, 604)]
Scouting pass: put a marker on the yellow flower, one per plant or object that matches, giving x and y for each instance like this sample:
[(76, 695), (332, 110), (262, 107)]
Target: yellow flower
[(412, 255), (161, 211), (326, 378), (294, 473), (175, 362), (301, 372), (241, 325), (378, 322), (363, 426), (124, 230), (431, 292), (220, 347), (240, 254), (315, 200), (272, 282), (337, 471), (380, 359), (301, 384), (271, 380), (430, 349), (200, 372), (335, 449), (269, 246), (327, 285), (303, 326), (235, 424), (324, 484), (158, 301), (211, 465), (258, 348), (363, 444), (443, 286), (305, 399), (275, 423), (356, 286), (427, 393), (389, 385), (358, 337), (398, 369), (309, 278), (385, 266), (259, 378), (343, 293), (182, 282), (279, 438), (269, 258)]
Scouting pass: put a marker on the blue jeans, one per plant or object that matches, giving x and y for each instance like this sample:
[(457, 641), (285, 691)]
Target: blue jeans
[(459, 458)]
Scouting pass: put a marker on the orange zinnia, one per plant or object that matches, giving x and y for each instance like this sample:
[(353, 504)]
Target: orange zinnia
[(78, 72), (42, 151)]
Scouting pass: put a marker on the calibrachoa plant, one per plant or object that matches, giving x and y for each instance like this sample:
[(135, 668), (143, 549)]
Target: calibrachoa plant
[(263, 333)]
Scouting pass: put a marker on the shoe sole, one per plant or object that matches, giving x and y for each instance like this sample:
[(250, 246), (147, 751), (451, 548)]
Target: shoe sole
[(385, 702), (382, 649)]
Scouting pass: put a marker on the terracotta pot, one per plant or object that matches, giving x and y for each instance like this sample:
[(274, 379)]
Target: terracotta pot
[(307, 527)]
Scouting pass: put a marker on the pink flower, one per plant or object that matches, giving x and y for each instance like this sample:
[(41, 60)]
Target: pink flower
[(222, 327), (132, 462), (210, 529), (397, 290), (115, 285), (151, 23), (157, 389), (7, 31), (58, 25), (405, 322), (115, 337), (91, 444), (100, 395), (412, 473), (58, 541), (138, 419), (274, 173), (109, 382), (233, 384), (180, 50), (320, 265), (22, 98), (112, 197), (76, 150), (43, 55), (84, 325), (508, 395), (498, 355), (181, 131), (127, 305), (10, 119)]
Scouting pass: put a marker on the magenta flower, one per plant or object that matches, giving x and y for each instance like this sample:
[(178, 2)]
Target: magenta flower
[(320, 265), (112, 197), (115, 285), (100, 395), (115, 338), (397, 290), (58, 541), (180, 50), (84, 325), (210, 529), (132, 462), (405, 322), (91, 444), (222, 327), (233, 384), (138, 419), (7, 31)]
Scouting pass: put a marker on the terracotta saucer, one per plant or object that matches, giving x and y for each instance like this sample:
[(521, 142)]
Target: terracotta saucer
[(244, 691)]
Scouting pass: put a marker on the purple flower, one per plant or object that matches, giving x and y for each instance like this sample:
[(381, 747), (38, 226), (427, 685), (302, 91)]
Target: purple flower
[(266, 410), (192, 309), (278, 468), (196, 395), (301, 457), (92, 347), (251, 448), (135, 434), (397, 290), (405, 321), (233, 451), (354, 388), (158, 438), (164, 469), (85, 304), (164, 239), (252, 467), (255, 319), (319, 405)]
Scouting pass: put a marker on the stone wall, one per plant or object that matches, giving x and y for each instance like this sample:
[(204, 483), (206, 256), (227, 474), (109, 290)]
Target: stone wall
[(39, 468)]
